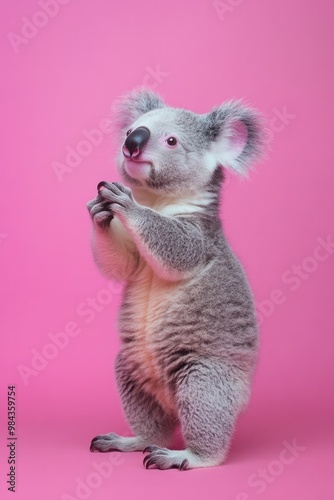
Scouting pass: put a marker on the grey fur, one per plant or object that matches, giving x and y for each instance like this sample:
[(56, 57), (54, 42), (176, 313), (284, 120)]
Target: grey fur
[(127, 110), (187, 322)]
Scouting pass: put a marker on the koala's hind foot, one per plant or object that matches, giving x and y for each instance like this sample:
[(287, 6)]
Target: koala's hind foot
[(114, 442), (163, 458), (210, 396), (147, 419)]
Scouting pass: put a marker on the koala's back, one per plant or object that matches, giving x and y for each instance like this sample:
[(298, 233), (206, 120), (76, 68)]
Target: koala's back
[(167, 327)]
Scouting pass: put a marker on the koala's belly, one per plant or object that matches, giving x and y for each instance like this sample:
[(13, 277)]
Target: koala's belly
[(140, 323)]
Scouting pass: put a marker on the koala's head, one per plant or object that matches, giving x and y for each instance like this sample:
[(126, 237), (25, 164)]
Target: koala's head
[(172, 150)]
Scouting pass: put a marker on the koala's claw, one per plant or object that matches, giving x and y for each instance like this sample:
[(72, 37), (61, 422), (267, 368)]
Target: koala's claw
[(149, 462), (92, 447), (103, 443), (148, 449), (98, 438), (118, 196), (163, 458), (101, 184), (184, 464)]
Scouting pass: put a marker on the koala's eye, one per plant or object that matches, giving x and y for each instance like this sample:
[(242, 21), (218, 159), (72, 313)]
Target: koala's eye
[(171, 141), (128, 132)]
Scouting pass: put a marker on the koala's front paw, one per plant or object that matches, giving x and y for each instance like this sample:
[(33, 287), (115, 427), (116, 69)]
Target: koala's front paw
[(119, 197), (100, 211)]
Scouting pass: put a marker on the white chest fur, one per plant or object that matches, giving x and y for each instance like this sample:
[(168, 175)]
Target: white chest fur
[(148, 298)]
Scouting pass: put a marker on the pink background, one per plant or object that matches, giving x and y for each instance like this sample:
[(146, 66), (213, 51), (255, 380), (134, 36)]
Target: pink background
[(61, 81)]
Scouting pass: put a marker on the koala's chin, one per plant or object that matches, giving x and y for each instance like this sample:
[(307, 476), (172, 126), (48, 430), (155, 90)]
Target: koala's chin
[(137, 169)]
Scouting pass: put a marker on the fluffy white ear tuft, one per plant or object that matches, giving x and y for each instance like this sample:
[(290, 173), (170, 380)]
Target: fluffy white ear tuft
[(132, 105), (236, 134)]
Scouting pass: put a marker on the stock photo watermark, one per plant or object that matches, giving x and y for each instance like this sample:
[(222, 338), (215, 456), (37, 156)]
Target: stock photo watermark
[(263, 477), (74, 155), (30, 27), (58, 341), (293, 277), (226, 7), (154, 76), (279, 121), (101, 471), (11, 475)]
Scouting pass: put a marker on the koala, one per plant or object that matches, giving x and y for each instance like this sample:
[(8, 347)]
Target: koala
[(187, 323)]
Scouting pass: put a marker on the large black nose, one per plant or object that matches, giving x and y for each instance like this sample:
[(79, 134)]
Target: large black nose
[(135, 142)]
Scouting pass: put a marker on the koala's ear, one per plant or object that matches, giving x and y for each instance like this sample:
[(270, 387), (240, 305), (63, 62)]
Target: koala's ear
[(132, 105), (236, 135)]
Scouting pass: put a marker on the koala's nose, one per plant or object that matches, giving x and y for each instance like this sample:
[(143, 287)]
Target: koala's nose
[(135, 142)]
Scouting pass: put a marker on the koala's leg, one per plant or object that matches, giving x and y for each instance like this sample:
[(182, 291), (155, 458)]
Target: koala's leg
[(209, 400), (112, 250), (147, 419)]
